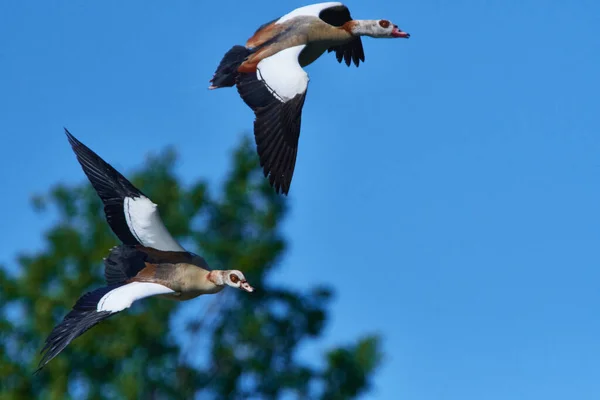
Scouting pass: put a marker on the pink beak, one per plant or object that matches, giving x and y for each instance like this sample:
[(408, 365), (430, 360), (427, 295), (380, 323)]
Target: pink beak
[(246, 286), (397, 33)]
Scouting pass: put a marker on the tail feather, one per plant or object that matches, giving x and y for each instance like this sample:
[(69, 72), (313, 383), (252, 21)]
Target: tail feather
[(227, 71)]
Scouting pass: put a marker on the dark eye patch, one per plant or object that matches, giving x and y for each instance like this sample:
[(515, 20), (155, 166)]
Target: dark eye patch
[(384, 23), (234, 278)]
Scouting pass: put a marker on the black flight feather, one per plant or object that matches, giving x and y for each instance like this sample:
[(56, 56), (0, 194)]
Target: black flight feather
[(83, 317), (351, 51), (276, 129), (111, 186)]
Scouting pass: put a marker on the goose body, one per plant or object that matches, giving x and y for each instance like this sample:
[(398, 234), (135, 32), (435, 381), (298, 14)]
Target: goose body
[(149, 262), (270, 79)]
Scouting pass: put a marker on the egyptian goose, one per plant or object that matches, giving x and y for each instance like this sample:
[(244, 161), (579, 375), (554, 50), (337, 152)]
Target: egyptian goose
[(149, 262), (269, 76)]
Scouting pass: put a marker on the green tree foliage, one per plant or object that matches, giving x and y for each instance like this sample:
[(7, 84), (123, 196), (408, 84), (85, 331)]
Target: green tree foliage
[(233, 345)]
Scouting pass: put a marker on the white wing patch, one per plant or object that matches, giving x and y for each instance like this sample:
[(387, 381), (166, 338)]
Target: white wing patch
[(312, 10), (122, 297), (145, 224), (282, 73)]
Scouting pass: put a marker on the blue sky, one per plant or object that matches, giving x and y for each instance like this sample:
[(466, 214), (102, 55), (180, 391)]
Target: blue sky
[(448, 188)]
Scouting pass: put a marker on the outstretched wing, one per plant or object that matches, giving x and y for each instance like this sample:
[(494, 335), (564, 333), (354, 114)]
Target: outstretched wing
[(132, 216), (276, 93), (91, 309)]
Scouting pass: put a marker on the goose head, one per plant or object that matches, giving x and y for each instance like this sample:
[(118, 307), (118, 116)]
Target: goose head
[(377, 28), (232, 277)]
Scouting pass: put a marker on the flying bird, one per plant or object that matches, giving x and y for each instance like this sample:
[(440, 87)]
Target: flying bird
[(268, 72), (149, 262)]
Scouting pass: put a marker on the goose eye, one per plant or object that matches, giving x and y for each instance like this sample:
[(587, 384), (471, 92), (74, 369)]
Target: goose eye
[(234, 278), (384, 23)]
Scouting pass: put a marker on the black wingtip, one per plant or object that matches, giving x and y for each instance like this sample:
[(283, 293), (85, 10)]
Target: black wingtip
[(276, 130), (69, 136), (73, 141), (74, 325), (110, 185), (81, 318)]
